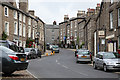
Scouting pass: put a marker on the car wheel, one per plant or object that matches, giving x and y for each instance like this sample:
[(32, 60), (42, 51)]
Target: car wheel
[(94, 66), (8, 72), (105, 68)]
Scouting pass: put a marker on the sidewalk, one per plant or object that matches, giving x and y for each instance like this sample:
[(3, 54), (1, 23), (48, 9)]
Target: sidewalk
[(18, 75)]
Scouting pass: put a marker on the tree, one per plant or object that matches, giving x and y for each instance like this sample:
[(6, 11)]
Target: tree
[(4, 36)]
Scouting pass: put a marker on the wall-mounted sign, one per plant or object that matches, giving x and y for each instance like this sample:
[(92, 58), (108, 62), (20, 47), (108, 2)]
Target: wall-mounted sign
[(101, 33)]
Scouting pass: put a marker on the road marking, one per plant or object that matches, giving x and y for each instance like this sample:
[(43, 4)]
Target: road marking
[(32, 75), (56, 61), (65, 66)]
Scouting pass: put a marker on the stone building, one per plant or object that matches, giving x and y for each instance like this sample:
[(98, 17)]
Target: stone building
[(19, 24), (107, 27), (52, 33)]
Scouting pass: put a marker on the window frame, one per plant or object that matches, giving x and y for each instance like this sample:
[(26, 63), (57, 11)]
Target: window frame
[(7, 27), (15, 14), (5, 11), (15, 30), (24, 30), (111, 20)]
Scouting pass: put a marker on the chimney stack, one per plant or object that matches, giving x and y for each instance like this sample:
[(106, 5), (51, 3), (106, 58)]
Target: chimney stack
[(90, 12), (54, 23), (23, 5), (80, 13), (97, 9), (66, 17), (32, 12)]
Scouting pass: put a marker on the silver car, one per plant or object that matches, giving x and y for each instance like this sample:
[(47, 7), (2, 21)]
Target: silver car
[(107, 61), (83, 56)]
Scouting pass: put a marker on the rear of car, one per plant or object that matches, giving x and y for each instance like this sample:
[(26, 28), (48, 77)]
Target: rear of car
[(55, 49), (28, 52), (83, 56), (12, 61)]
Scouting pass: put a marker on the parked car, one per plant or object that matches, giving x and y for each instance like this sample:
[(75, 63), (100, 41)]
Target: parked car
[(11, 61), (51, 47), (21, 50), (55, 48), (83, 56), (9, 44), (107, 61), (38, 52), (31, 53), (77, 51)]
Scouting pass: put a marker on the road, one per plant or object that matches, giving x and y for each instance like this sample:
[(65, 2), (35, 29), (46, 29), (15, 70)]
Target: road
[(63, 65)]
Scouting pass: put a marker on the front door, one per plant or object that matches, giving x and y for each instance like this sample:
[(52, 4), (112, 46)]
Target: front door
[(110, 47)]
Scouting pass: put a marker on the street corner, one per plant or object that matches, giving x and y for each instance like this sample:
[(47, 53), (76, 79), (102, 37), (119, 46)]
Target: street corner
[(18, 75)]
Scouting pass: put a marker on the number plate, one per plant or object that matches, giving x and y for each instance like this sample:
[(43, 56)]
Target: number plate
[(22, 59), (84, 56)]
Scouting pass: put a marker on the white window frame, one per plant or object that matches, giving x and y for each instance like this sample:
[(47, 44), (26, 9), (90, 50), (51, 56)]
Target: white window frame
[(111, 1), (29, 21), (33, 33), (111, 20), (29, 31), (20, 16), (24, 30), (118, 16), (7, 11), (15, 29), (24, 18), (71, 24), (7, 28), (24, 44), (15, 14), (75, 23), (20, 29)]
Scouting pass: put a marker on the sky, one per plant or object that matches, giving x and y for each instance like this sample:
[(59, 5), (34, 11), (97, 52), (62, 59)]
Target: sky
[(54, 10)]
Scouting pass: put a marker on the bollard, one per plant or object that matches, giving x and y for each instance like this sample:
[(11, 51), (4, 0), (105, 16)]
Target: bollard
[(46, 54), (51, 53)]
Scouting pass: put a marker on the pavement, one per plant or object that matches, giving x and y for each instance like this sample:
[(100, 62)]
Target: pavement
[(19, 75)]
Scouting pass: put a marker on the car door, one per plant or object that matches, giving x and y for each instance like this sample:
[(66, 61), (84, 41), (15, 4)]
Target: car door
[(100, 61), (96, 59)]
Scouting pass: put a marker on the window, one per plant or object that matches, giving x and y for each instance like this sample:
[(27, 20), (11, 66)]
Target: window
[(20, 29), (52, 38), (7, 28), (24, 18), (20, 17), (15, 14), (6, 11), (33, 34), (24, 30), (112, 1), (15, 28), (52, 30), (71, 25), (119, 17), (24, 43), (75, 33), (29, 21), (111, 20), (29, 31), (76, 23)]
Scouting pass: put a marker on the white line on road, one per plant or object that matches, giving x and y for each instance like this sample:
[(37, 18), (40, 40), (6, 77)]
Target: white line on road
[(56, 61), (65, 66)]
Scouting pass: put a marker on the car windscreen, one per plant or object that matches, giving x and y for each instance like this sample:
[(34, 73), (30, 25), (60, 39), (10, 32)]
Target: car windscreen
[(55, 47), (27, 49), (83, 53), (109, 56), (7, 50), (14, 48)]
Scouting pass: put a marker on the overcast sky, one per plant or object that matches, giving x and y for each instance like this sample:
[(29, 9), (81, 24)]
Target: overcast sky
[(54, 10)]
